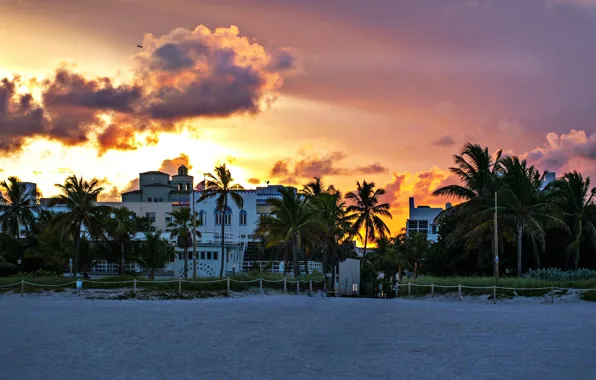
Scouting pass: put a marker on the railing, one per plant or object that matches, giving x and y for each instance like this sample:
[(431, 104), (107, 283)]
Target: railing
[(492, 291), (180, 285), (277, 266), (106, 266)]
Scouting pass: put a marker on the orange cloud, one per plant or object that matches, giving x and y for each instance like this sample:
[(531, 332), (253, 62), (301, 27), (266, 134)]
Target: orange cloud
[(179, 76), (419, 185), (254, 181)]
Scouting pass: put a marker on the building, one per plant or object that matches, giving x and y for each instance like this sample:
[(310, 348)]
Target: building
[(422, 220), (158, 187)]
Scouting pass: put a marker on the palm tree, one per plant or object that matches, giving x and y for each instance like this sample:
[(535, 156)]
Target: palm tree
[(415, 248), (143, 224), (366, 211), (316, 187), (478, 172), (155, 252), (80, 198), (292, 220), (220, 186), (16, 207), (386, 258), (181, 228), (522, 205), (331, 212), (121, 228), (572, 194)]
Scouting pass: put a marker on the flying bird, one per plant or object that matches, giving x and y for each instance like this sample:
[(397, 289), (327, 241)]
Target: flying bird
[(139, 46)]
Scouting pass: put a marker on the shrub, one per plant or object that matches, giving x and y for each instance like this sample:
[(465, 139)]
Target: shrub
[(556, 274)]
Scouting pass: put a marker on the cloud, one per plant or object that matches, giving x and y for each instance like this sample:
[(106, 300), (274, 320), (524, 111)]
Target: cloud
[(559, 150), (419, 185), (254, 181), (181, 75), (312, 165), (444, 141), (279, 169), (171, 165)]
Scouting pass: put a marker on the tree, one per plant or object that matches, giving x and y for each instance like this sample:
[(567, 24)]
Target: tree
[(386, 258), (415, 248), (521, 205), (121, 228), (221, 186), (366, 212), (16, 207), (292, 219), (316, 187), (181, 228), (155, 252), (80, 198), (572, 194), (478, 172), (335, 225), (144, 224)]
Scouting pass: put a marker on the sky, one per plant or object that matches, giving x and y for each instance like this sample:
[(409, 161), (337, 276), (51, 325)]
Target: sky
[(284, 90)]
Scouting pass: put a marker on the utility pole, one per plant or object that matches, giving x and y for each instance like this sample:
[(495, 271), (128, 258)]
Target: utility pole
[(194, 238), (496, 254)]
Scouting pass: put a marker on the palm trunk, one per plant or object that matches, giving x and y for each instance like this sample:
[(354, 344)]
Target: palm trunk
[(536, 252), (122, 264), (305, 262), (365, 244), (295, 258), (185, 263), (520, 227), (577, 253), (77, 250), (224, 257), (152, 274)]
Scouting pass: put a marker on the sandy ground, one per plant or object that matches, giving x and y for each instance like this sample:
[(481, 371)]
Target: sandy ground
[(57, 336)]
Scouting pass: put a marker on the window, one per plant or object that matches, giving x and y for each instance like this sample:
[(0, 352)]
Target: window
[(149, 199), (202, 255), (208, 255), (203, 218), (151, 216), (434, 228), (187, 186), (214, 255), (179, 186), (168, 218), (161, 199), (228, 217), (412, 224), (243, 217), (423, 224)]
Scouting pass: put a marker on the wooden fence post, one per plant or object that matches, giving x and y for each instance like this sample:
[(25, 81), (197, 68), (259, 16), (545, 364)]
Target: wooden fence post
[(228, 285), (261, 285), (409, 289), (432, 290), (459, 291), (310, 285), (552, 294), (494, 293), (134, 286), (22, 287), (180, 286), (298, 287), (284, 285)]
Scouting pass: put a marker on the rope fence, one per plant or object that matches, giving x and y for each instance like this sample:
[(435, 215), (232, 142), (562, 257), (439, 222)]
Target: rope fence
[(494, 288), (180, 285)]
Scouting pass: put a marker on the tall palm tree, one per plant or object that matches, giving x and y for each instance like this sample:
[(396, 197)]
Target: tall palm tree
[(80, 198), (522, 205), (316, 187), (366, 212), (220, 185), (16, 207), (121, 228), (331, 212), (181, 228), (291, 221), (478, 172), (155, 252), (572, 194)]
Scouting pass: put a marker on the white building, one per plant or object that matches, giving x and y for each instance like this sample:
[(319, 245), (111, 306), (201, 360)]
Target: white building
[(422, 220)]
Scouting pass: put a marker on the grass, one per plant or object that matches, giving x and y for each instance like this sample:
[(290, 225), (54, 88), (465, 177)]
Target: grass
[(524, 286), (239, 282)]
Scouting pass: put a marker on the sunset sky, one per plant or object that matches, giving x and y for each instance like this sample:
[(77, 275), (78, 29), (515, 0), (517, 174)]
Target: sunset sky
[(283, 90)]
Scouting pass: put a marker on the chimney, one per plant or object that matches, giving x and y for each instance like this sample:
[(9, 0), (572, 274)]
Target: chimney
[(412, 203)]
